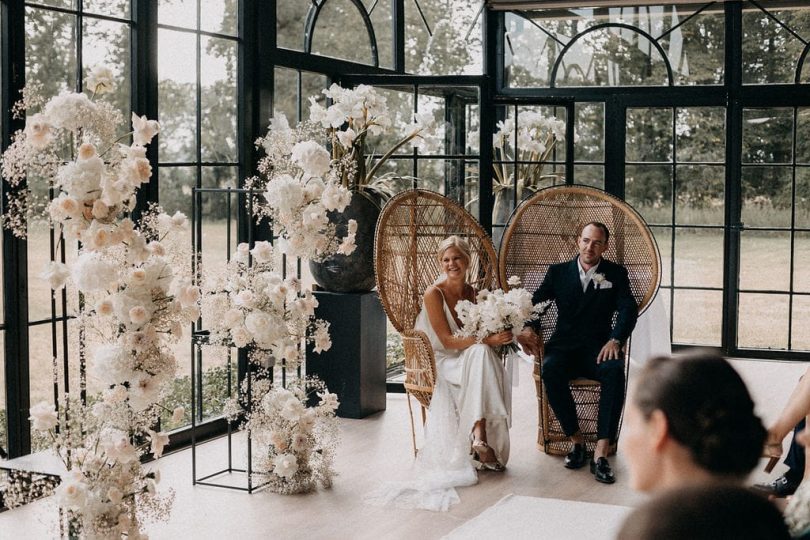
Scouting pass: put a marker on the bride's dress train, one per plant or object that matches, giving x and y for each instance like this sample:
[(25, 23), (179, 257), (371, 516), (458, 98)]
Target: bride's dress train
[(471, 384)]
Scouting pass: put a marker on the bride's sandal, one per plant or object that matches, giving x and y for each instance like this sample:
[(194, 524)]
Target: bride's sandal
[(481, 448), (773, 451)]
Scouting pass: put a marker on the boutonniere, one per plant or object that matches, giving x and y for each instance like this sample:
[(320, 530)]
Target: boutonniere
[(600, 282)]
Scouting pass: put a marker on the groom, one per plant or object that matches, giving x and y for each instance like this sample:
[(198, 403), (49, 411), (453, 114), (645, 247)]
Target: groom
[(588, 291)]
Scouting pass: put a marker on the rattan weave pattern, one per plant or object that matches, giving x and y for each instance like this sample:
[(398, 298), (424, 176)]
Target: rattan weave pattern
[(543, 231), (410, 228)]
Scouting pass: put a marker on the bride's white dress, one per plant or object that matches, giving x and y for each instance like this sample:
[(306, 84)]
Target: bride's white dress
[(471, 384)]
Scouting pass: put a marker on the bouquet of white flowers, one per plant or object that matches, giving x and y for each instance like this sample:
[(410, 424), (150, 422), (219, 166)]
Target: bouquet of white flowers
[(297, 442), (256, 307), (497, 311)]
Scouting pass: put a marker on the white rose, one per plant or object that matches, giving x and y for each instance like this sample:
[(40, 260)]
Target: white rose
[(262, 251), (240, 336), (115, 495), (104, 307), (285, 465), (292, 410), (56, 273), (300, 442), (313, 158), (118, 448), (38, 131), (138, 315), (335, 197), (158, 441), (43, 416), (99, 80), (72, 491), (143, 129)]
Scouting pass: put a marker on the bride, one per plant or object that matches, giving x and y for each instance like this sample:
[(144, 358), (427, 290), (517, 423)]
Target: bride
[(470, 411)]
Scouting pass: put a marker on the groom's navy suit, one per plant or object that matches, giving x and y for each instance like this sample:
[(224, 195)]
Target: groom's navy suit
[(584, 326)]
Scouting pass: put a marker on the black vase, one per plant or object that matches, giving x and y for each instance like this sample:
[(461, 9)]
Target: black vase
[(355, 272)]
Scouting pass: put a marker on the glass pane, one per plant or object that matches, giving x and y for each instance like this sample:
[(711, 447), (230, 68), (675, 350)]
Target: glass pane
[(312, 84), (431, 101), (801, 262), (649, 135), (590, 175), (68, 4), (216, 245), (330, 37), (767, 135), (219, 100), (176, 193), (107, 44), (219, 16), (471, 187), (612, 57), (766, 196), (802, 201), (700, 134), (400, 103), (114, 8), (699, 257), (700, 195), (649, 189), (291, 16), (765, 260), (763, 321), (432, 174), (176, 86), (50, 50), (383, 30), (589, 128), (698, 317), (800, 337), (663, 237), (769, 51), (454, 48), (803, 134), (181, 13), (473, 129), (285, 94)]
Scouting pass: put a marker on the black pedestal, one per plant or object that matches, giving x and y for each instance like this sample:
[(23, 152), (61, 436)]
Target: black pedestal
[(354, 368)]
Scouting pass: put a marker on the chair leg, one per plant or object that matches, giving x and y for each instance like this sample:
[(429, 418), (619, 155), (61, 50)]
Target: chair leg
[(413, 428), (424, 416)]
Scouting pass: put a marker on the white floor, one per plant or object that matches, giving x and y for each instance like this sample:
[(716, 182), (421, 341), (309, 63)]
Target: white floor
[(379, 448)]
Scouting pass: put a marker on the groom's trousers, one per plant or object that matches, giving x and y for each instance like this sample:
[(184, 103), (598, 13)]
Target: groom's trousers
[(561, 365)]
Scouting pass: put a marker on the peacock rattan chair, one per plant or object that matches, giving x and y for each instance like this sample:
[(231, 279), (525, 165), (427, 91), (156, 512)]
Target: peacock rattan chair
[(543, 231), (410, 228)]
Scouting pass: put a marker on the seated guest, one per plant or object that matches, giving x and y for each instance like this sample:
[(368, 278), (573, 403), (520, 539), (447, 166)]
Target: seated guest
[(797, 408), (588, 291), (786, 484), (690, 420), (705, 512)]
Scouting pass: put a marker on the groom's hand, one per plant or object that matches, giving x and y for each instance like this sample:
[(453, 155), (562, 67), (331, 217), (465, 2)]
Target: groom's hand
[(611, 351), (530, 342)]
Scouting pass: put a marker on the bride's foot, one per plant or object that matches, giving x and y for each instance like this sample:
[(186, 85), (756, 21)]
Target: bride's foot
[(485, 455)]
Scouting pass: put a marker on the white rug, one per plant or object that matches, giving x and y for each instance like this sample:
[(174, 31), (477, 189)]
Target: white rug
[(517, 517)]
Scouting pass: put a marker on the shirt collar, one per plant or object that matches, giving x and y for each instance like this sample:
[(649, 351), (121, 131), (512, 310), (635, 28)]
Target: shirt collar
[(591, 272)]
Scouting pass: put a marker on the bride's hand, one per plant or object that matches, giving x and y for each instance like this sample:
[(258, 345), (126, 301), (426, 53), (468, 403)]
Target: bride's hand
[(501, 338)]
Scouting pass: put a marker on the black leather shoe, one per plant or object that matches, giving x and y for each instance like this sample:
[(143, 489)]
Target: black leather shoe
[(576, 458), (781, 487), (601, 471)]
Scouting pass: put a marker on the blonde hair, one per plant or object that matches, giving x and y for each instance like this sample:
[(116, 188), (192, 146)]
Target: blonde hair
[(456, 242)]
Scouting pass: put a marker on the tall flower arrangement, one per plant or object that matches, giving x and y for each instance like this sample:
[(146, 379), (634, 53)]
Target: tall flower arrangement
[(534, 138), (311, 169), (136, 297), (297, 442), (261, 310)]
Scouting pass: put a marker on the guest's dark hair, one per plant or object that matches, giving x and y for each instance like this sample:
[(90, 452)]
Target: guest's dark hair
[(708, 410), (705, 513), (598, 225)]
